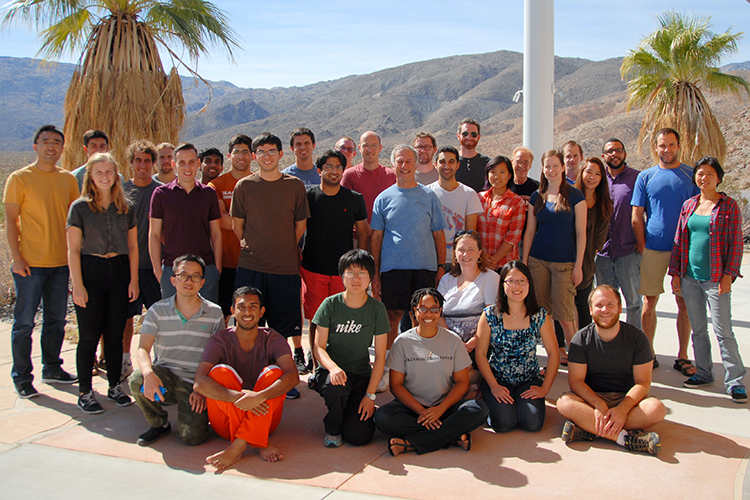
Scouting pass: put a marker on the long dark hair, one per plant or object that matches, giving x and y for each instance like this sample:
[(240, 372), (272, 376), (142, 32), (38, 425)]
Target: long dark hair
[(603, 202), (563, 201), (532, 306)]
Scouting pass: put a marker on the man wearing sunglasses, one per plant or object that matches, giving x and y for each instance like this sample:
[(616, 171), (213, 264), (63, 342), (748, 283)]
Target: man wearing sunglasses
[(472, 163)]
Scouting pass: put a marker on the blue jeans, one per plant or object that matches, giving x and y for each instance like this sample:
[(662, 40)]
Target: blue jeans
[(696, 294), (528, 414), (48, 285), (210, 290), (623, 273)]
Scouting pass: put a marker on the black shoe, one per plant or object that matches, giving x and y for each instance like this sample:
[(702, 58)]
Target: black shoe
[(293, 393), (118, 396), (311, 382), (299, 360), (153, 434), (309, 365), (59, 376), (88, 404), (25, 390)]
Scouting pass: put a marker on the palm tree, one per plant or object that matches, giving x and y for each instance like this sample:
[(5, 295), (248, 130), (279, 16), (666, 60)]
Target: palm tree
[(667, 73), (120, 85)]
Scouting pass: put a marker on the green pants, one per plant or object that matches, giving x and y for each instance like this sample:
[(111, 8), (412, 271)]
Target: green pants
[(192, 427)]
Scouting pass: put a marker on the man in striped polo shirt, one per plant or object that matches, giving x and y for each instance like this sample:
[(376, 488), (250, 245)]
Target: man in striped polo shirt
[(178, 329)]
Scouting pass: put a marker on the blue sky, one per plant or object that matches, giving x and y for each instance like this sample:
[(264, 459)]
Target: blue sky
[(297, 43)]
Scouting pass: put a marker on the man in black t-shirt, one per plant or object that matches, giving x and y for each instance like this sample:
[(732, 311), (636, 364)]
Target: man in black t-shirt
[(609, 371), (522, 185), (334, 210), (471, 163)]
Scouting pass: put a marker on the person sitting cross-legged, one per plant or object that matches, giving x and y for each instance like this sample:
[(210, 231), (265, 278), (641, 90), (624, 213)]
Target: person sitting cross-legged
[(245, 373), (609, 372)]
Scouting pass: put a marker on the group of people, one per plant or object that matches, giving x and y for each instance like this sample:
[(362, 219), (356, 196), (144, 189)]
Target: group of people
[(450, 266)]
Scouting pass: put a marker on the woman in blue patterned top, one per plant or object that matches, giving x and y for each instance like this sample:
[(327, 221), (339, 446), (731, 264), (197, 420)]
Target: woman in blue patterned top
[(507, 336)]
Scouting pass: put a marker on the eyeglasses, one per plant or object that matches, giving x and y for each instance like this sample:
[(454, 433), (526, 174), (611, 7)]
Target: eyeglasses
[(195, 278), (345, 149), (618, 151), (328, 166), (423, 148), (467, 134), (271, 152), (423, 310), (516, 282), (363, 275)]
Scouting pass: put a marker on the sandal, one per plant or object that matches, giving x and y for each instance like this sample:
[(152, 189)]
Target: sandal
[(404, 445), (464, 443), (685, 367)]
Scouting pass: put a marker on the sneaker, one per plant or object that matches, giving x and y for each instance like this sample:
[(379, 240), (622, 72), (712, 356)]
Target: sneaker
[(25, 390), (293, 393), (694, 382), (384, 383), (117, 395), (739, 394), (88, 404), (153, 434), (333, 441), (571, 432), (59, 376), (299, 360), (638, 440), (127, 369)]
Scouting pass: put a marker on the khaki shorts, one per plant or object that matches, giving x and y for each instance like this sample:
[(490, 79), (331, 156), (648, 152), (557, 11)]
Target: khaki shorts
[(654, 265), (554, 279)]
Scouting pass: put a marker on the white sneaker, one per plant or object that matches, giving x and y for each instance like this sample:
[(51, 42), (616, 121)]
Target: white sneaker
[(384, 382), (127, 369)]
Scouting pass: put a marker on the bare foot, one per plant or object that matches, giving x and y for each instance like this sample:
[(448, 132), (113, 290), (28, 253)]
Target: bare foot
[(398, 446), (464, 441), (228, 456), (270, 454)]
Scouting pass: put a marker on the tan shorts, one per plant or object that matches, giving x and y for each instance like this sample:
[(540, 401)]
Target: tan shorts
[(554, 279), (654, 265)]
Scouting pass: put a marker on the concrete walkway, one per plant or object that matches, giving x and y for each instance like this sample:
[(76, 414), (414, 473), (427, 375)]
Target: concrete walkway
[(49, 448)]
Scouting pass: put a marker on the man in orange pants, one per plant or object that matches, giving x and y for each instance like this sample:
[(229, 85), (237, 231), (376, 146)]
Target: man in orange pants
[(245, 373)]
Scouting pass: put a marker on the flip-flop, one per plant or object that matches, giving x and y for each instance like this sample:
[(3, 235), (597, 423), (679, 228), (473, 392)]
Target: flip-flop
[(407, 447), (685, 367)]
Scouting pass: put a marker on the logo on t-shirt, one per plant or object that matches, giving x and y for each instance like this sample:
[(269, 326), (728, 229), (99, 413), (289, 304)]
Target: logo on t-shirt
[(348, 327)]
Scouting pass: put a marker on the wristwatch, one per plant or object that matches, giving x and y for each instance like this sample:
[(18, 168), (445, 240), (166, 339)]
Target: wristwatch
[(369, 396)]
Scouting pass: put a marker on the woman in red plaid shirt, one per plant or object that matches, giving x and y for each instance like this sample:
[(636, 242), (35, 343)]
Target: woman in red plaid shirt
[(500, 224), (706, 259)]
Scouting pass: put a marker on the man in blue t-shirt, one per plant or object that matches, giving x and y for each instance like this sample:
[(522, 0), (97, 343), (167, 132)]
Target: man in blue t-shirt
[(659, 193), (407, 240), (302, 142)]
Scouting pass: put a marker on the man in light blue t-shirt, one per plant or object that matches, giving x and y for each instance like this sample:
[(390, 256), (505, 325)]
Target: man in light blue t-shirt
[(302, 142), (659, 193), (408, 240)]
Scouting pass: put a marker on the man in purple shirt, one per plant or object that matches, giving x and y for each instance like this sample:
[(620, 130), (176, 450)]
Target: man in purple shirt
[(185, 218), (619, 262)]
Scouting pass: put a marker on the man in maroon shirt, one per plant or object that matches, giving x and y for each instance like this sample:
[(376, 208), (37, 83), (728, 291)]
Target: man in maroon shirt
[(185, 218)]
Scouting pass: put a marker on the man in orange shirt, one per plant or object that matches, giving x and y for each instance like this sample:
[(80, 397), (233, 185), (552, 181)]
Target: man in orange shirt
[(240, 157)]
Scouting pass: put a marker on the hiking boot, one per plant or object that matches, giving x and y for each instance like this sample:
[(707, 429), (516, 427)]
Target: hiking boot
[(88, 404), (571, 432), (25, 390), (59, 376), (299, 360), (638, 440), (117, 395), (153, 434), (739, 394)]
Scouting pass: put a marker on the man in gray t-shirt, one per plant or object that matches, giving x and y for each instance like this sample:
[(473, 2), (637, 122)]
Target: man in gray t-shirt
[(609, 371)]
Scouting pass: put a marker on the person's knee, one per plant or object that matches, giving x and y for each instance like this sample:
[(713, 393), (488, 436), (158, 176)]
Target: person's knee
[(654, 409), (193, 436), (565, 404), (358, 433)]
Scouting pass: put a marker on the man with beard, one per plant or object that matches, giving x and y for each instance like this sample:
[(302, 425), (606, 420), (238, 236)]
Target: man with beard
[(659, 193), (334, 210), (609, 371), (164, 169), (619, 262), (244, 373), (240, 157), (425, 144), (471, 168)]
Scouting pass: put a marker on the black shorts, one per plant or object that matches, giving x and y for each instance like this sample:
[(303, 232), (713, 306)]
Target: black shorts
[(398, 285), (281, 298), (149, 292)]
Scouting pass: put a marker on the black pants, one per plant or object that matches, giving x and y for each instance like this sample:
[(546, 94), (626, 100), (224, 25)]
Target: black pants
[(343, 401), (106, 282), (582, 305)]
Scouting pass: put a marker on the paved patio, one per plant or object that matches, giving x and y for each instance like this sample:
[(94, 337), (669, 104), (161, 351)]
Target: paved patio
[(49, 448)]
